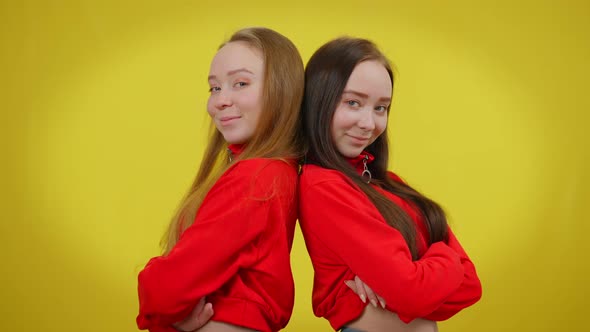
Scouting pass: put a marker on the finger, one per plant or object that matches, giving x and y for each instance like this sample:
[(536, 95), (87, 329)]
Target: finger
[(360, 289), (207, 312), (199, 306), (209, 308), (370, 295), (381, 300), (204, 316), (195, 319), (351, 285)]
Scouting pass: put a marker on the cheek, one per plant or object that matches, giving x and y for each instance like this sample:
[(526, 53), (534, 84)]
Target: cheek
[(339, 121), (335, 127), (256, 105), (333, 131), (210, 107), (250, 103), (380, 125)]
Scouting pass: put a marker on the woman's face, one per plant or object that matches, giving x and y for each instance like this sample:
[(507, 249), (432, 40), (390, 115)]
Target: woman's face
[(361, 114), (236, 81)]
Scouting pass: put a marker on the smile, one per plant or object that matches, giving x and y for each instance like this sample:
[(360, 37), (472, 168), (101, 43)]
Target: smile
[(359, 139), (227, 120)]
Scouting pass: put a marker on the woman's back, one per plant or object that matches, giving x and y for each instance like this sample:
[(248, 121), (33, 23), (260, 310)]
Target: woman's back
[(236, 252)]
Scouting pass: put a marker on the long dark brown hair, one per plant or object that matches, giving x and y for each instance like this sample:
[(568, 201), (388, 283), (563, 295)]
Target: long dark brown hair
[(277, 134), (326, 75)]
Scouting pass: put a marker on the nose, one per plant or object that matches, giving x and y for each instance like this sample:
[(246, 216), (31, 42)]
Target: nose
[(222, 100), (366, 121)]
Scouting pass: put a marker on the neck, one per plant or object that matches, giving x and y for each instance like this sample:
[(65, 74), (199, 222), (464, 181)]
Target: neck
[(359, 162)]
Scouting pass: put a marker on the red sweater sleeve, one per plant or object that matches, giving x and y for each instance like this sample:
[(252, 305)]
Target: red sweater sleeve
[(221, 241), (342, 217), (468, 293)]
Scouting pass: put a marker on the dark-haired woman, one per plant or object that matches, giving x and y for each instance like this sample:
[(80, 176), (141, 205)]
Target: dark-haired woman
[(361, 221)]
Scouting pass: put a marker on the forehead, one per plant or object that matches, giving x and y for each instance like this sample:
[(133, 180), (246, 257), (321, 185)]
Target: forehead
[(236, 55), (370, 77)]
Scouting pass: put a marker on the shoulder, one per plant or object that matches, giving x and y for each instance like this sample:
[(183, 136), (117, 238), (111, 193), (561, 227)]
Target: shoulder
[(262, 174), (265, 166), (312, 175), (324, 181), (334, 192)]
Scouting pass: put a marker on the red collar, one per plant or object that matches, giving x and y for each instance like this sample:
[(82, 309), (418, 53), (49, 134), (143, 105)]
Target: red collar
[(357, 162), (236, 149)]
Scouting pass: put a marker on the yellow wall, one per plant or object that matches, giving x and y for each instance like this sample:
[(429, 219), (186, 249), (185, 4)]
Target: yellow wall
[(102, 128)]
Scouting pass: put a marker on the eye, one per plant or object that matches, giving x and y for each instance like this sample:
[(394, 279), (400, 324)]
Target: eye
[(381, 108), (240, 84), (214, 89), (353, 103)]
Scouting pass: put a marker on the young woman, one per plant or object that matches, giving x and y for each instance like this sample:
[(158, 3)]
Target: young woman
[(361, 221), (231, 237)]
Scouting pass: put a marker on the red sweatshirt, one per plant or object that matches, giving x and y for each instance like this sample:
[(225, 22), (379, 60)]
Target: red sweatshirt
[(236, 254), (346, 236)]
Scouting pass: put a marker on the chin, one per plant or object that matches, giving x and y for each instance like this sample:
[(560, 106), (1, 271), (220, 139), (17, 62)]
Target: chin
[(235, 139), (351, 153)]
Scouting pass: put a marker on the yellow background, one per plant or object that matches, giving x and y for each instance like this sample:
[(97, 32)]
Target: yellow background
[(103, 126)]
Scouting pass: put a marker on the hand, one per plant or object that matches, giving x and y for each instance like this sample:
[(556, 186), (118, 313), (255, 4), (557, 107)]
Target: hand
[(197, 318), (364, 292)]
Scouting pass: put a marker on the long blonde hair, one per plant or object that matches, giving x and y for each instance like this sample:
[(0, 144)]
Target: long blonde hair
[(276, 134)]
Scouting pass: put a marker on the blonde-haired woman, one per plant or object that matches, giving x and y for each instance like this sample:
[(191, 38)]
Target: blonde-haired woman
[(230, 240)]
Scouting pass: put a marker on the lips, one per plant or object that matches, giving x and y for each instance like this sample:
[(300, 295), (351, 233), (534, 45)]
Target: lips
[(227, 120), (360, 140)]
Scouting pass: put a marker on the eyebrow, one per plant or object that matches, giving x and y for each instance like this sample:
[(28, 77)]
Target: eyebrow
[(232, 72), (364, 95)]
